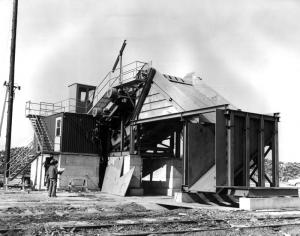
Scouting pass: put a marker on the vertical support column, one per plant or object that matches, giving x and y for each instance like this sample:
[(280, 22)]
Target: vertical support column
[(261, 154), (177, 144), (132, 140), (230, 150), (185, 154), (138, 139), (122, 134), (247, 151), (40, 163), (275, 156), (172, 144)]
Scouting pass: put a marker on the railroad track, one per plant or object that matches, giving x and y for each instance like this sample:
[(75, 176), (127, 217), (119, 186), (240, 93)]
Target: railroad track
[(190, 225), (179, 232)]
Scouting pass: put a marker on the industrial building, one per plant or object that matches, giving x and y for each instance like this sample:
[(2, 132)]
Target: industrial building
[(143, 132)]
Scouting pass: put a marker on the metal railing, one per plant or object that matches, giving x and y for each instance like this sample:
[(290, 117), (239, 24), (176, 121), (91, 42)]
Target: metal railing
[(72, 105), (113, 79), (46, 109)]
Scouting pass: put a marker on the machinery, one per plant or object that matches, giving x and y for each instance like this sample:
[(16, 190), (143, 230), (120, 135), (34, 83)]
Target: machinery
[(222, 149), (171, 134)]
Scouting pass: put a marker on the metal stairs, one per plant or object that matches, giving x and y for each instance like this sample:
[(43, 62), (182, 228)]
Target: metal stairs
[(112, 80), (20, 160), (41, 133)]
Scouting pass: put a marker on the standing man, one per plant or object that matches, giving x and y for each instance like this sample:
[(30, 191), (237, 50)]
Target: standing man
[(47, 165), (53, 172)]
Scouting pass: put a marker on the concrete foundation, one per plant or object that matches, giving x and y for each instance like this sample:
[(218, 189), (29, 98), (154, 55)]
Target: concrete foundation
[(269, 203), (183, 197), (135, 186), (162, 176), (77, 166)]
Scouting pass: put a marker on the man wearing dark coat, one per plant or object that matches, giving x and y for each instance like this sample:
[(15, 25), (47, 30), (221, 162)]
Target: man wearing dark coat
[(53, 173), (47, 165)]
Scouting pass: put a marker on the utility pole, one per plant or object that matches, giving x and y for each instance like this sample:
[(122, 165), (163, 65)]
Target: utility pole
[(11, 88)]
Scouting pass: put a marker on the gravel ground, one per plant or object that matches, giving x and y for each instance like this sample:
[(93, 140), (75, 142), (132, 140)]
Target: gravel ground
[(79, 214)]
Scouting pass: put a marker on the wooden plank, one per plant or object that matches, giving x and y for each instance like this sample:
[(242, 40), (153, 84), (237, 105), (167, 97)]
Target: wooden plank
[(122, 184), (112, 173), (156, 105), (155, 96), (113, 182), (157, 112)]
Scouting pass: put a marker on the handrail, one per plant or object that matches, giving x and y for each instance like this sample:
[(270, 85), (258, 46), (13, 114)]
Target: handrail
[(45, 108), (111, 81), (70, 105)]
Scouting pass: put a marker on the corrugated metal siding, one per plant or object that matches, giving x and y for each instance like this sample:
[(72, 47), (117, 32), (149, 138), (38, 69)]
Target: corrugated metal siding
[(77, 133), (50, 122)]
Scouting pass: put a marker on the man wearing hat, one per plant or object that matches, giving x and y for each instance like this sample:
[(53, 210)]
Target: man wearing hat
[(53, 172), (47, 165)]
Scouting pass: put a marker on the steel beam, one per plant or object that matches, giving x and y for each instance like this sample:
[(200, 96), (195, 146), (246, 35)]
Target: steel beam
[(132, 140), (180, 114), (122, 134), (261, 154), (177, 144), (247, 151), (275, 159), (171, 147), (138, 139), (240, 191), (253, 171), (230, 150), (268, 179), (185, 154), (253, 115), (143, 95)]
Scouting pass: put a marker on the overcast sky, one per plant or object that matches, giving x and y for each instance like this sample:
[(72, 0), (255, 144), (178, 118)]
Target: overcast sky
[(249, 51)]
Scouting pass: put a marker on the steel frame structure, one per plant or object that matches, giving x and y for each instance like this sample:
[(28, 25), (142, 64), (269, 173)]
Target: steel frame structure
[(241, 143)]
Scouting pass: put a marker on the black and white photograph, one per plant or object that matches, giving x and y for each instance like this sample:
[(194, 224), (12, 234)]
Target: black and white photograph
[(153, 117)]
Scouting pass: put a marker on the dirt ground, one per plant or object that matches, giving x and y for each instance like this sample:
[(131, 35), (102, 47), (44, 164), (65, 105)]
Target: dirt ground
[(94, 213)]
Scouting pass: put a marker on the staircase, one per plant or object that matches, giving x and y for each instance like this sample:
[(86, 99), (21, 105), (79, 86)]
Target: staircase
[(20, 160), (40, 129)]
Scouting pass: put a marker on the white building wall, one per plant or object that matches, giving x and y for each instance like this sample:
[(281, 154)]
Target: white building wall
[(37, 172)]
